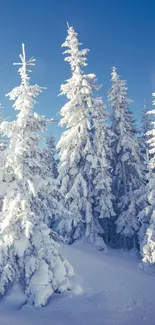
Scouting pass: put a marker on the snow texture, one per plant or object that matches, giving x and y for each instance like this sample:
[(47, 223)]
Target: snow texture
[(115, 292)]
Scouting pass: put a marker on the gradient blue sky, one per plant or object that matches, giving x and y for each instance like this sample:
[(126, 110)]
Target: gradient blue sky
[(114, 30)]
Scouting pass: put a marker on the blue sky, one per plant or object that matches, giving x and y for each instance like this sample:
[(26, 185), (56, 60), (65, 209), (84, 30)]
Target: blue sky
[(114, 30)]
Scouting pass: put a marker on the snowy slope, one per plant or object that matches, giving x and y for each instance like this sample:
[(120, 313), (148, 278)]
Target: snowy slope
[(114, 292)]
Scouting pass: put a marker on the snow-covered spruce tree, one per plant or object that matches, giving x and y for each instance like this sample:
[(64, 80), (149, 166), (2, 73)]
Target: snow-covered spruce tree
[(28, 253), (77, 150), (102, 194), (127, 165), (144, 208), (148, 242)]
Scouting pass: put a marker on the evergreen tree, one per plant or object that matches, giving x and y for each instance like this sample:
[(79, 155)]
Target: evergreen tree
[(28, 253), (77, 150), (102, 207), (127, 164), (148, 242), (144, 209)]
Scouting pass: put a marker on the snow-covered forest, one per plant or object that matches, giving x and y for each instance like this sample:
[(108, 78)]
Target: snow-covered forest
[(96, 186)]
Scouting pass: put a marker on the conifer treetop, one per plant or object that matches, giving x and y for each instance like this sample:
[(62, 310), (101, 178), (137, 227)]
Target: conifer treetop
[(118, 84), (75, 57), (114, 73), (24, 99), (23, 66)]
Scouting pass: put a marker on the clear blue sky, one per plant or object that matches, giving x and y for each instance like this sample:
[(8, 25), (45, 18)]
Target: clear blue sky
[(119, 31)]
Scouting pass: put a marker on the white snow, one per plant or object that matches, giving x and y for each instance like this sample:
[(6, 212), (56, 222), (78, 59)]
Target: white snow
[(21, 245), (28, 253), (84, 175), (115, 292)]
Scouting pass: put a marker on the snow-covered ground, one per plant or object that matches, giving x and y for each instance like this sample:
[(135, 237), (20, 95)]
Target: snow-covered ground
[(115, 292)]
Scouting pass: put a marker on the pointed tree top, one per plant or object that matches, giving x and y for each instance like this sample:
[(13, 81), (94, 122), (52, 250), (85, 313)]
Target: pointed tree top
[(23, 69), (114, 72), (75, 56), (23, 58)]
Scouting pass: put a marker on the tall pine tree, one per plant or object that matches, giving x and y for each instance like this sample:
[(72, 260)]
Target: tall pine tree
[(148, 213), (144, 213), (102, 194), (127, 165), (77, 150), (28, 253)]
